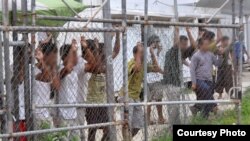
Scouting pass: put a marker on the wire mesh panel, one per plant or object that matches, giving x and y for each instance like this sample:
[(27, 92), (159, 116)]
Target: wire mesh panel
[(69, 82)]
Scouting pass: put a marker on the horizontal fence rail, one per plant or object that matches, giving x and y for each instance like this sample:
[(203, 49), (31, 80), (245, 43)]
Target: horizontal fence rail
[(58, 29), (149, 22), (232, 101), (44, 131)]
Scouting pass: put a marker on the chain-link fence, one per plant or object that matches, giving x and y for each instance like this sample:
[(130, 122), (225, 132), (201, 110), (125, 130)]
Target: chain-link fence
[(113, 79)]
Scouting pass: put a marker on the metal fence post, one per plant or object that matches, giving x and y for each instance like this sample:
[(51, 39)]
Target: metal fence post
[(9, 94), (176, 18), (16, 63), (247, 34), (33, 20), (233, 18), (126, 134), (109, 71), (145, 85), (2, 94), (239, 94), (27, 74)]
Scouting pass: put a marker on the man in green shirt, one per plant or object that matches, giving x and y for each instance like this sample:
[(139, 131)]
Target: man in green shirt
[(135, 78)]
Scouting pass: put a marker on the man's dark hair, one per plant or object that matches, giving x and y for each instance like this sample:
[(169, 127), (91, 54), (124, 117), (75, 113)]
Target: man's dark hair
[(48, 48), (201, 41), (91, 46), (208, 35), (183, 38), (135, 49), (64, 51), (21, 50), (152, 39), (102, 51), (101, 46), (224, 38), (201, 29)]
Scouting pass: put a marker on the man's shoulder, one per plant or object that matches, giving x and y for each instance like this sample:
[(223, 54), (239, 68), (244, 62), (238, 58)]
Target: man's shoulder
[(171, 51), (196, 54), (131, 62)]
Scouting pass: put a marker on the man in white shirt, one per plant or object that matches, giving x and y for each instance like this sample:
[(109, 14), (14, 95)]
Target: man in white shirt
[(46, 80), (68, 89), (73, 75)]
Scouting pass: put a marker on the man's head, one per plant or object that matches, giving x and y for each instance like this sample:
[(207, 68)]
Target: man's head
[(91, 46), (203, 44), (138, 51), (208, 35), (201, 31), (21, 54), (68, 54), (225, 41), (50, 54), (183, 42), (154, 41), (241, 36)]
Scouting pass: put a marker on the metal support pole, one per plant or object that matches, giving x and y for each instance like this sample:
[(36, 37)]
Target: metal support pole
[(9, 94), (247, 34), (239, 94), (16, 64), (145, 85), (27, 73), (109, 70), (33, 21), (233, 19), (126, 134), (178, 120), (2, 94)]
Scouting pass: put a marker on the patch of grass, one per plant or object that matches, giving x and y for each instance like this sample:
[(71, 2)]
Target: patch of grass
[(245, 106), (51, 136), (228, 117), (165, 137)]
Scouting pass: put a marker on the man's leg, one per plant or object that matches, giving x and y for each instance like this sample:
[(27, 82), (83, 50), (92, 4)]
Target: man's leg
[(137, 119), (161, 119), (149, 99), (74, 135), (81, 121), (90, 117), (105, 136), (206, 89), (212, 107), (156, 93), (149, 115), (92, 133), (135, 131), (173, 94)]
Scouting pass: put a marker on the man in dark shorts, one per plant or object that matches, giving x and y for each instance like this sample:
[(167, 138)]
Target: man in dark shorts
[(224, 72)]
